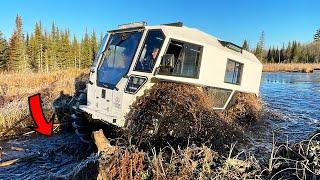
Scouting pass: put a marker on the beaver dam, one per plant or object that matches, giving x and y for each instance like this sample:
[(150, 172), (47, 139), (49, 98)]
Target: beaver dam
[(250, 139)]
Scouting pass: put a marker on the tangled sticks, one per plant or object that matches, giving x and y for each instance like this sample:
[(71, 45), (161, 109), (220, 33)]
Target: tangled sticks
[(180, 114)]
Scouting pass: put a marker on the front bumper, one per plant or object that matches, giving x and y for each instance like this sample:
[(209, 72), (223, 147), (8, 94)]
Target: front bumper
[(120, 122)]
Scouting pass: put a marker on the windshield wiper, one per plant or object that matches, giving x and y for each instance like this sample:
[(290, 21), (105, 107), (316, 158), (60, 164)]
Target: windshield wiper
[(109, 86), (105, 85)]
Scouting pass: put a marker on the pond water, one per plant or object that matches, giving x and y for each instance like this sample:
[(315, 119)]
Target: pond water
[(293, 99)]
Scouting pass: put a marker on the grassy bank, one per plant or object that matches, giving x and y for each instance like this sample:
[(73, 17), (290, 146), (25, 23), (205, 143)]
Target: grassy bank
[(290, 67), (15, 88)]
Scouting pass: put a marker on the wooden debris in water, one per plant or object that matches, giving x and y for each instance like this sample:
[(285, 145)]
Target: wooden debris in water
[(17, 148), (103, 144), (9, 162)]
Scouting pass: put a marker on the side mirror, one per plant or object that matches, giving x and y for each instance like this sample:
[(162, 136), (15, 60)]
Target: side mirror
[(168, 61), (92, 69)]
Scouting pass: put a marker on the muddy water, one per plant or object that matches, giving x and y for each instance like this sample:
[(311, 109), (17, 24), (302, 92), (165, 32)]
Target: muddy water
[(292, 100), (292, 103)]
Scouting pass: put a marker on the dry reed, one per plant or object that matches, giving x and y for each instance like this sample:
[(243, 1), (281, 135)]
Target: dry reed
[(15, 88), (290, 67)]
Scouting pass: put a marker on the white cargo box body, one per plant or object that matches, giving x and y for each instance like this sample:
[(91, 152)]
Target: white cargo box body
[(214, 60), (220, 65)]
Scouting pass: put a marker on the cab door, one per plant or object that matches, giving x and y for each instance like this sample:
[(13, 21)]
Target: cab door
[(149, 53), (143, 67)]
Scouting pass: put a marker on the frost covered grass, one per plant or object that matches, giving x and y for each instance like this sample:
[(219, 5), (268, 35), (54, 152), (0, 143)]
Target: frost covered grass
[(295, 161), (15, 88)]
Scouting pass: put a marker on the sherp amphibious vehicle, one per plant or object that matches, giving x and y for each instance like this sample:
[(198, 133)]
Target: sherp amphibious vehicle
[(135, 56)]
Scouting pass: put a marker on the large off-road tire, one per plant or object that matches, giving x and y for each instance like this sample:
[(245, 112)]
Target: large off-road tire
[(80, 119)]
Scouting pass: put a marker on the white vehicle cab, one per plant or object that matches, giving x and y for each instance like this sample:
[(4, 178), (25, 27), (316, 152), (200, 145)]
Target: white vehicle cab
[(135, 56)]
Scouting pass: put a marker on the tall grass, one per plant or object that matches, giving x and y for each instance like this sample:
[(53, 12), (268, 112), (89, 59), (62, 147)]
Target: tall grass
[(15, 88), (290, 67)]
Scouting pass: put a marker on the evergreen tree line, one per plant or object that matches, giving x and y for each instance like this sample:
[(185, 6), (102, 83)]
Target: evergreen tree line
[(52, 50), (46, 51), (294, 52)]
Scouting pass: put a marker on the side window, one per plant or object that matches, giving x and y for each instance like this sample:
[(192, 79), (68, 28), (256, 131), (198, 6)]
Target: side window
[(150, 51), (187, 59), (233, 72)]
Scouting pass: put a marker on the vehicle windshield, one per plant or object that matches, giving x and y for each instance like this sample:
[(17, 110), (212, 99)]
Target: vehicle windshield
[(117, 58)]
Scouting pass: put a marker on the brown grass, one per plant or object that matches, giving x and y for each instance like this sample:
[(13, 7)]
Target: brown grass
[(290, 67), (192, 162), (15, 88)]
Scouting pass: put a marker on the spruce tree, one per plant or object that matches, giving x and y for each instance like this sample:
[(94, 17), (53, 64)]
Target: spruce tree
[(45, 52), (316, 36), (65, 50), (276, 55), (288, 52), (86, 51), (30, 50), (38, 47), (269, 57), (273, 54), (3, 52), (245, 45), (75, 52), (17, 52), (52, 48), (293, 51), (282, 54), (94, 43), (259, 52)]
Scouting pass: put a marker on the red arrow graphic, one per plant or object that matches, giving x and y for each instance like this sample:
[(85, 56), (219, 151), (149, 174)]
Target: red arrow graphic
[(42, 125)]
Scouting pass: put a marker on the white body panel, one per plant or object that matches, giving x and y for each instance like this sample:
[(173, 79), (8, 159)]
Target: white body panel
[(214, 57)]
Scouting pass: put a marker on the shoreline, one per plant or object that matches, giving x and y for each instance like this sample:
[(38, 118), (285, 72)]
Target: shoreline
[(291, 67)]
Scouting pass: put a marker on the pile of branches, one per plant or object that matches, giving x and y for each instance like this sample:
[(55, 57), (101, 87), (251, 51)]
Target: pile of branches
[(180, 114), (245, 110)]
